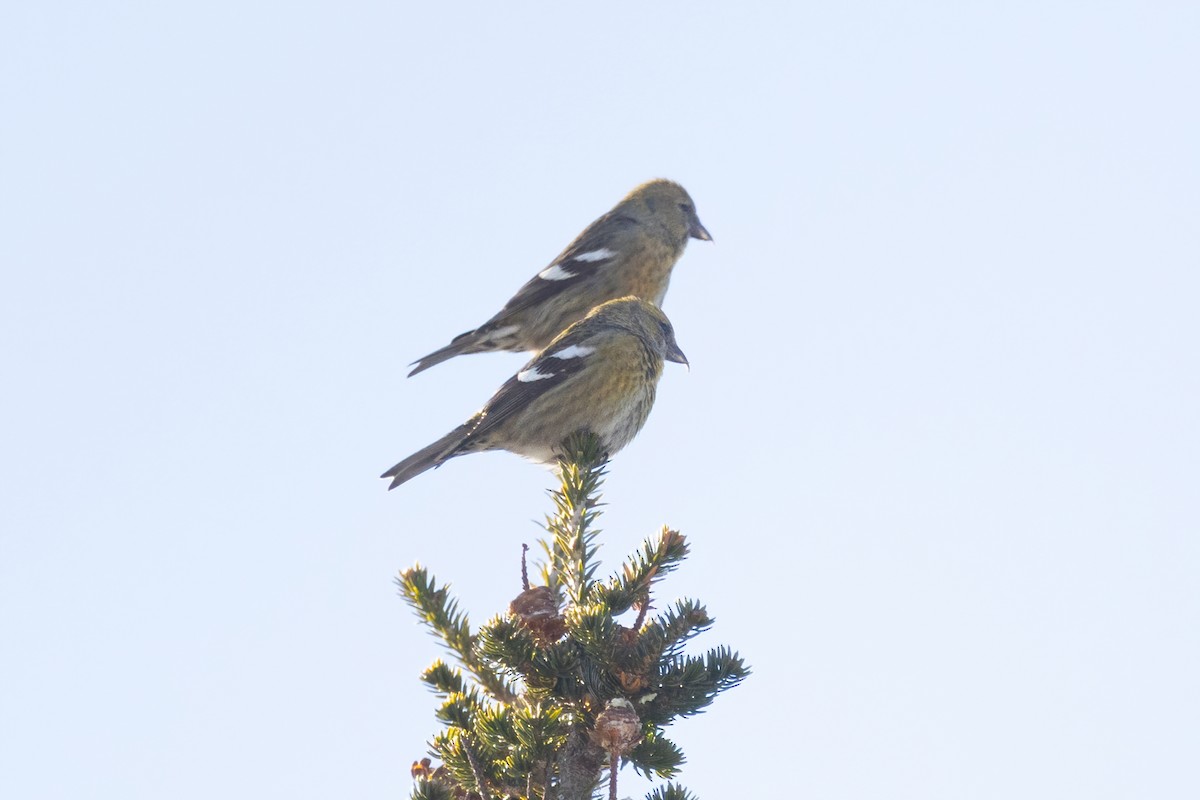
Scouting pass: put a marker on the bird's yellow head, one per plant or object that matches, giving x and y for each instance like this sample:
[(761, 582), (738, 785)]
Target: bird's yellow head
[(644, 320), (665, 204)]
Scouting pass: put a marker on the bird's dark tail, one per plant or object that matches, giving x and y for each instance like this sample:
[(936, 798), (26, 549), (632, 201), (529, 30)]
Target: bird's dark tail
[(429, 457), (463, 343)]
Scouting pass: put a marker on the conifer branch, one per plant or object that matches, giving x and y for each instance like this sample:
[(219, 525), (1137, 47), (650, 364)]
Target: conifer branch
[(687, 685), (652, 563), (477, 771), (443, 679), (428, 789), (667, 633), (657, 755), (572, 548), (555, 691), (671, 791), (434, 606)]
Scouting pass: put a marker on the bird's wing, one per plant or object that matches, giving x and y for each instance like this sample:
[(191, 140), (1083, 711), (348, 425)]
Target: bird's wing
[(600, 245), (546, 372)]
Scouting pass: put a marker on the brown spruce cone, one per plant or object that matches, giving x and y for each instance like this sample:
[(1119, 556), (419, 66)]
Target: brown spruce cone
[(618, 728), (536, 610)]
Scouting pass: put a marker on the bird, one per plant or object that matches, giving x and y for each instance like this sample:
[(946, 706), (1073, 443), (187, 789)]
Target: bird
[(600, 375), (631, 250)]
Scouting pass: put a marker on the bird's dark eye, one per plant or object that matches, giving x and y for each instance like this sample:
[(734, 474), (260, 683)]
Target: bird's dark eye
[(686, 208), (666, 329)]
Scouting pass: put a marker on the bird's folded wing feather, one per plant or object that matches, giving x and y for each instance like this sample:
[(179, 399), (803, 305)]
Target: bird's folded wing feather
[(599, 246), (549, 370)]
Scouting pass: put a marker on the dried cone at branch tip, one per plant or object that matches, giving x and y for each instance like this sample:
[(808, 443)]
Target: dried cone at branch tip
[(625, 638), (632, 676), (424, 770), (631, 250), (536, 610), (600, 376), (618, 728)]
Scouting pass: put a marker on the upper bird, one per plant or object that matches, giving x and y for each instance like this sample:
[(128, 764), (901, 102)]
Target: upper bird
[(628, 251), (599, 376)]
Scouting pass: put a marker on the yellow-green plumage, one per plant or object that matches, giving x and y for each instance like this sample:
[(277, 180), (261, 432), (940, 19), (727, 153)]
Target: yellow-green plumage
[(599, 375), (631, 250)]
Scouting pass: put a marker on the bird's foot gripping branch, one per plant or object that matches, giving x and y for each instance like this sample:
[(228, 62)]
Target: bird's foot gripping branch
[(550, 698)]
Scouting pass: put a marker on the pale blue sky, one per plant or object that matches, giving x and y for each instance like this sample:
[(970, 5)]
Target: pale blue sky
[(937, 453)]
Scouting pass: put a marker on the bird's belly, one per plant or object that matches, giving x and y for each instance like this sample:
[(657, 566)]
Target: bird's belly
[(617, 430), (615, 423)]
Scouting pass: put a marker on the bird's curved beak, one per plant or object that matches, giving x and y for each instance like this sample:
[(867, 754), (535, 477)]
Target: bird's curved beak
[(698, 231), (676, 355)]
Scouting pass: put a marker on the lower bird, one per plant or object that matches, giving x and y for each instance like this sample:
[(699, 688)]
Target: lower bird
[(600, 376)]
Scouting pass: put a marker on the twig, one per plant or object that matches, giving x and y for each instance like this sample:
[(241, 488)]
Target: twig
[(524, 568), (643, 607), (480, 783)]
